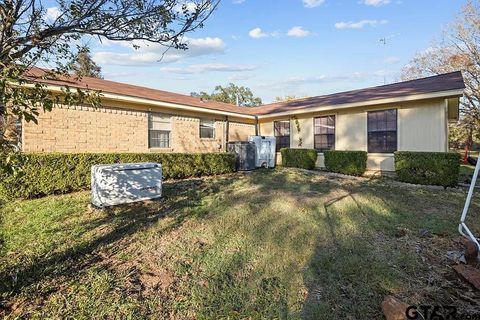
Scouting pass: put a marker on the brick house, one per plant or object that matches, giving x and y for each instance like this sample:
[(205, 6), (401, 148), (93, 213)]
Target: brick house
[(410, 116)]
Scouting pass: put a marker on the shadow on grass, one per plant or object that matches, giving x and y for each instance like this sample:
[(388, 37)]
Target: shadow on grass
[(356, 267), (121, 223), (346, 263)]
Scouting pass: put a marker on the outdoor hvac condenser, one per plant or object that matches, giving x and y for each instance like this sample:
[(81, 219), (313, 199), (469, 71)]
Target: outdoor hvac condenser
[(125, 183), (244, 153), (265, 155)]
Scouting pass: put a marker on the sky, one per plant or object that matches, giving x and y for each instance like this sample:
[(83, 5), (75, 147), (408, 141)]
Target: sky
[(287, 47)]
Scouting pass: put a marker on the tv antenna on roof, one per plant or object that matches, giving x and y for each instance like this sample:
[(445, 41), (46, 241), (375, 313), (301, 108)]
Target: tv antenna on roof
[(384, 41)]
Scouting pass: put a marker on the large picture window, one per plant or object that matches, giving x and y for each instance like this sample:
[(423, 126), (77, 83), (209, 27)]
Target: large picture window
[(207, 129), (324, 133), (282, 133), (159, 127), (382, 131)]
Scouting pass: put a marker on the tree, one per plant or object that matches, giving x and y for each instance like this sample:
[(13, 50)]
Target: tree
[(233, 94), (460, 50), (285, 98), (33, 35), (84, 66)]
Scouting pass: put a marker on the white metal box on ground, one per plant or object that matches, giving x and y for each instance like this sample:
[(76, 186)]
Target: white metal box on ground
[(125, 183), (265, 151)]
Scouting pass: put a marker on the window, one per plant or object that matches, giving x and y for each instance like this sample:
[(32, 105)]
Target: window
[(207, 129), (324, 136), (282, 133), (159, 127), (382, 131)]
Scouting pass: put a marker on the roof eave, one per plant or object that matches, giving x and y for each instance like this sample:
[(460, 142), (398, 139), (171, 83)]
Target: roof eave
[(433, 95), (157, 103), (145, 101)]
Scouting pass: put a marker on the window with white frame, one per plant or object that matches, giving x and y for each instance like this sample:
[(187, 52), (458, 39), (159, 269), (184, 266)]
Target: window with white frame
[(207, 129), (159, 128)]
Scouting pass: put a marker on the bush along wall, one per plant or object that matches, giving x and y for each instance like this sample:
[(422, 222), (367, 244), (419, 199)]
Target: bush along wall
[(53, 173), (430, 168), (299, 158), (347, 162)]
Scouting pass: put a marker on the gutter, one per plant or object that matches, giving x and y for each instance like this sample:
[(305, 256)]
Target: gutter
[(145, 101), (440, 94)]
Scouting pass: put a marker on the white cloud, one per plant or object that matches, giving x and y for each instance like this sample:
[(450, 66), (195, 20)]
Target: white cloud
[(189, 7), (392, 60), (312, 3), (210, 67), (301, 81), (298, 32), (239, 77), (53, 13), (376, 3), (238, 1), (257, 33), (359, 24), (153, 52)]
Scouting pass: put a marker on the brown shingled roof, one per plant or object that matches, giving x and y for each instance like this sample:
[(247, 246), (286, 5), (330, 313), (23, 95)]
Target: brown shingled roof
[(444, 82), (107, 86)]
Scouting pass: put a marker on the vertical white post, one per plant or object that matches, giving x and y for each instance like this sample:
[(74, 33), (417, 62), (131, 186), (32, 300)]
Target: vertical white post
[(470, 191), (462, 227)]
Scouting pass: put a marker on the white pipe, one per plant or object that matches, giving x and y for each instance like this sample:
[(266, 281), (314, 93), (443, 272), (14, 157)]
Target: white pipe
[(462, 226)]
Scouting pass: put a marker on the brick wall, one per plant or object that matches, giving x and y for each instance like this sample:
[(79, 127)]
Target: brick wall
[(84, 129), (240, 131), (185, 136)]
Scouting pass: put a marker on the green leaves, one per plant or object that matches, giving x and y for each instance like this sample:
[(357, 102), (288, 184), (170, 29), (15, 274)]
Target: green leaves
[(299, 158), (53, 173), (233, 94), (346, 162), (30, 37), (430, 168)]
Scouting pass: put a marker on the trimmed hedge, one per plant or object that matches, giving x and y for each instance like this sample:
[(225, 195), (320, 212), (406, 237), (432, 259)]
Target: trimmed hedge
[(299, 158), (430, 168), (53, 173), (353, 163)]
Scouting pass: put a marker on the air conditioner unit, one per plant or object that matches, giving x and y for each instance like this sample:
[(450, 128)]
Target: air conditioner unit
[(245, 154), (265, 154), (125, 183)]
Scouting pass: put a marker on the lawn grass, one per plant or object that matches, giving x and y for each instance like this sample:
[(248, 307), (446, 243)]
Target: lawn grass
[(281, 243), (465, 174)]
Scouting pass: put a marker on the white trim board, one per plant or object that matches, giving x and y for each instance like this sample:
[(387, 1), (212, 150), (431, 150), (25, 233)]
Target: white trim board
[(441, 94), (151, 102)]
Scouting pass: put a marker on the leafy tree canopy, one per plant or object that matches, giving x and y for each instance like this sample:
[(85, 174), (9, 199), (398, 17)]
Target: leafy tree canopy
[(285, 98), (233, 94), (84, 66), (459, 50), (33, 35)]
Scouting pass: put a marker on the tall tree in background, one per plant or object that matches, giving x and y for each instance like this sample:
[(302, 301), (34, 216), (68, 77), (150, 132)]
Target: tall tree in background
[(460, 50), (285, 98), (84, 66), (233, 94), (34, 35)]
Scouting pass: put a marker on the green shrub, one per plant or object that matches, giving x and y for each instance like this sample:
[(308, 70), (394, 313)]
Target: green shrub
[(347, 162), (299, 158), (51, 173), (431, 168)]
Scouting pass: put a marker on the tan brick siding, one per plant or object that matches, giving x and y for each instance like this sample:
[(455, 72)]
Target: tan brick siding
[(84, 129), (185, 136), (240, 131)]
